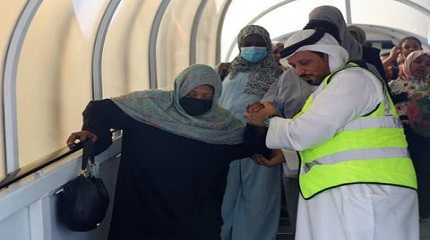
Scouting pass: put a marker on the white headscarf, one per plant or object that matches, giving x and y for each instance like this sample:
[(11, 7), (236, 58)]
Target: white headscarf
[(337, 55)]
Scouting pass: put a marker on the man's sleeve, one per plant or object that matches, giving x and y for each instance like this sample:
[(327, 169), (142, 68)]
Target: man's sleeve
[(350, 94)]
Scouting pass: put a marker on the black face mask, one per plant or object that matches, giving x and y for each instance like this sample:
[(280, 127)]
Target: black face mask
[(195, 107)]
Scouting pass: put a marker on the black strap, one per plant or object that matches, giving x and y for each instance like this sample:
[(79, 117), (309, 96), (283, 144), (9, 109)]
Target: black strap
[(361, 64), (88, 154), (374, 110), (339, 70), (314, 38)]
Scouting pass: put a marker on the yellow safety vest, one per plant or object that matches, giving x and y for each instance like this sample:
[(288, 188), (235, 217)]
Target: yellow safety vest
[(369, 149)]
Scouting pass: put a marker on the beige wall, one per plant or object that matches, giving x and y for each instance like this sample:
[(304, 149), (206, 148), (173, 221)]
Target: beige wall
[(125, 55), (207, 33), (54, 77), (174, 41)]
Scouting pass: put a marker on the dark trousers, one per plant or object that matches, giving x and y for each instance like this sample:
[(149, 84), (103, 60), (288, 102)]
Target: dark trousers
[(419, 150), (291, 189)]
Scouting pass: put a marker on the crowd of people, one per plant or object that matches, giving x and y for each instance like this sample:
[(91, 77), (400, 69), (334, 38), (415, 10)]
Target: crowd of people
[(206, 160)]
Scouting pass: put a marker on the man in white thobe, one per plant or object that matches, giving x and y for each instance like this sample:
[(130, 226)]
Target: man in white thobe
[(356, 179)]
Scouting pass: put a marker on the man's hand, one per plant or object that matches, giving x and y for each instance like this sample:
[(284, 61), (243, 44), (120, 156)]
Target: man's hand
[(255, 107), (81, 136), (276, 159), (265, 110)]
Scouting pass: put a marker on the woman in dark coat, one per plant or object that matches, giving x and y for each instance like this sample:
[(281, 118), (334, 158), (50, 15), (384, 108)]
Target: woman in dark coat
[(177, 146)]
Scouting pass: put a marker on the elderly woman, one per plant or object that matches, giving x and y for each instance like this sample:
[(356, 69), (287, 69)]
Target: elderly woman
[(177, 146), (414, 81), (252, 200)]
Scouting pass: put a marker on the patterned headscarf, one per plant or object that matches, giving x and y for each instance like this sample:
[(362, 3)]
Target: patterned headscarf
[(162, 109), (261, 74), (409, 61)]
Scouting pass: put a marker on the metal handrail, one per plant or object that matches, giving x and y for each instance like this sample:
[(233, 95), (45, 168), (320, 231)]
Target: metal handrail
[(34, 167)]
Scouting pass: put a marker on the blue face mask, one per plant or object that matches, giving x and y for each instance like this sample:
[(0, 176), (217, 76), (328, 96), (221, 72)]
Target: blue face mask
[(253, 54)]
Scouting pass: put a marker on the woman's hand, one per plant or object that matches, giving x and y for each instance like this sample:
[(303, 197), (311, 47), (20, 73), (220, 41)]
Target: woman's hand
[(80, 136), (265, 110), (392, 57), (277, 158), (255, 107)]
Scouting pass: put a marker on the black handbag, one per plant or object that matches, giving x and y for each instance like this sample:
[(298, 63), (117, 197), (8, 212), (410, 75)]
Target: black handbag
[(82, 202)]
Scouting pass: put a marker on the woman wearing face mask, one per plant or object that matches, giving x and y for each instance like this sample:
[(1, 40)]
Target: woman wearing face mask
[(176, 149), (411, 88), (252, 200)]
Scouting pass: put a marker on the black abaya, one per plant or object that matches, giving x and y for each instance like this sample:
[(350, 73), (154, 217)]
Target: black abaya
[(169, 187)]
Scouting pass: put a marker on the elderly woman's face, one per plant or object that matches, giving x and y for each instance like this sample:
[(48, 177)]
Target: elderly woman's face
[(421, 66), (202, 92), (409, 46), (198, 101)]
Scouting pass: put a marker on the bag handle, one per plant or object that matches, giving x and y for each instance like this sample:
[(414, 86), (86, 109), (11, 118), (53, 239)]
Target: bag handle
[(87, 155), (88, 162)]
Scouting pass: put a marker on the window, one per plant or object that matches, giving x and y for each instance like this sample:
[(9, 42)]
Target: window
[(125, 54), (174, 41), (54, 75)]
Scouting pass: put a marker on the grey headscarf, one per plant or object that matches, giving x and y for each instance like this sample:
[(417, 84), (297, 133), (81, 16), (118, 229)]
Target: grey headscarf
[(357, 33), (333, 15), (162, 109), (262, 74)]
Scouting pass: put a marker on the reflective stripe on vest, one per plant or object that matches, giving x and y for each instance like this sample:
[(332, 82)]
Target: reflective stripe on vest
[(368, 154), (369, 149), (384, 122)]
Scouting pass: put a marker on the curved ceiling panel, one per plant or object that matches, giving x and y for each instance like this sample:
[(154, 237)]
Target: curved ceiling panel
[(406, 18), (282, 17)]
